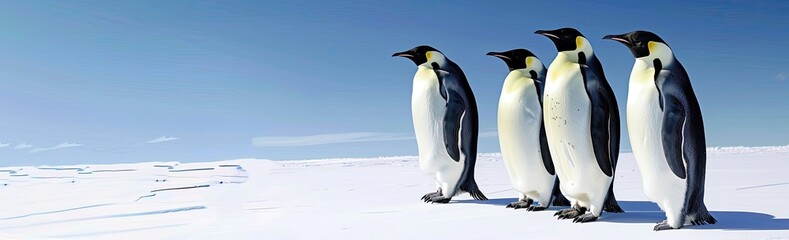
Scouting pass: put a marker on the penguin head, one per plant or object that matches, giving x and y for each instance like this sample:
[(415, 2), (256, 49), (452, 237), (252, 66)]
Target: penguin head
[(520, 59), (423, 56), (568, 40), (644, 44)]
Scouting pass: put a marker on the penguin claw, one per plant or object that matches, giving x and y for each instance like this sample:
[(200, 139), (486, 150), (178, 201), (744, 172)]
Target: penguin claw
[(438, 199), (520, 204), (517, 205), (535, 208), (430, 195), (569, 213), (435, 197), (662, 226), (585, 218)]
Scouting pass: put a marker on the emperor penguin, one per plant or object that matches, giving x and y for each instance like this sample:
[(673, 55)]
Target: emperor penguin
[(522, 134), (666, 131), (446, 126), (582, 126)]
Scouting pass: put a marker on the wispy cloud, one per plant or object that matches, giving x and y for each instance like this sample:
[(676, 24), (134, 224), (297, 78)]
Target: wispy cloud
[(23, 146), (2, 145), (283, 141), (162, 139), (59, 146), (782, 76)]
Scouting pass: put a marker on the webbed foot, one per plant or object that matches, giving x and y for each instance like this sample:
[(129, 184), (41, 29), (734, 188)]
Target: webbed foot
[(589, 217), (570, 213)]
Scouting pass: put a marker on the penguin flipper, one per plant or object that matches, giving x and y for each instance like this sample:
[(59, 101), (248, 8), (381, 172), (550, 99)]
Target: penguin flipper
[(452, 122), (547, 161), (455, 109), (673, 126), (605, 116)]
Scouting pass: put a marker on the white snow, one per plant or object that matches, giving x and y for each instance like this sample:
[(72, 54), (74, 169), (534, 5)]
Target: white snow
[(374, 198)]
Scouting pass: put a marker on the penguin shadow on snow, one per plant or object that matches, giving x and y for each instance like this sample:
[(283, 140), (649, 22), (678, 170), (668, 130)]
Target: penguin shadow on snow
[(503, 202), (496, 201), (649, 212)]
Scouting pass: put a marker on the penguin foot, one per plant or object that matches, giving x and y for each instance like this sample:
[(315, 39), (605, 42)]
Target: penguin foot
[(438, 199), (662, 226), (535, 208), (520, 204), (589, 217), (570, 213), (431, 195)]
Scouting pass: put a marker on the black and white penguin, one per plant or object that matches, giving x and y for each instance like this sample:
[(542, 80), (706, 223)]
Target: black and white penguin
[(582, 126), (666, 131), (445, 117), (524, 147)]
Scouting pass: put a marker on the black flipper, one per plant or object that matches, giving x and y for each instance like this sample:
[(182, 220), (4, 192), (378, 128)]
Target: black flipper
[(452, 124), (673, 124), (455, 108), (545, 152), (605, 115)]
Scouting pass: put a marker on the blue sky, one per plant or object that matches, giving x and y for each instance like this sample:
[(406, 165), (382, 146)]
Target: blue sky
[(131, 81)]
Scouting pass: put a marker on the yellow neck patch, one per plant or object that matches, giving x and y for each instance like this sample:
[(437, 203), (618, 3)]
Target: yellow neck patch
[(428, 55), (652, 46), (529, 61), (579, 42)]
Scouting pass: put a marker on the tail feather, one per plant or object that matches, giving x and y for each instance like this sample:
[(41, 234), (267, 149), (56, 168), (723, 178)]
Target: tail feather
[(558, 197), (471, 187), (610, 201)]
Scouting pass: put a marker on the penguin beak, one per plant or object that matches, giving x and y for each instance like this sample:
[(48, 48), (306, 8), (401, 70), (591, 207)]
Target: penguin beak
[(546, 33), (499, 55), (407, 54), (619, 38)]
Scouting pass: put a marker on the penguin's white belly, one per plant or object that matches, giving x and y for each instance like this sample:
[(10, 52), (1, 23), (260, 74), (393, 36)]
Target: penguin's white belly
[(644, 122), (427, 110), (567, 124), (519, 120)]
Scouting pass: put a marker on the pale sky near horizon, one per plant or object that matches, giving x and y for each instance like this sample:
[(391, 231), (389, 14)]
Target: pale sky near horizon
[(133, 81)]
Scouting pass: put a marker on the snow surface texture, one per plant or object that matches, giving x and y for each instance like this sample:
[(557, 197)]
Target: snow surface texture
[(378, 198)]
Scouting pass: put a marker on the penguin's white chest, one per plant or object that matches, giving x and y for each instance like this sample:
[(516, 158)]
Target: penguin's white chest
[(519, 121), (644, 124), (567, 117), (427, 110)]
